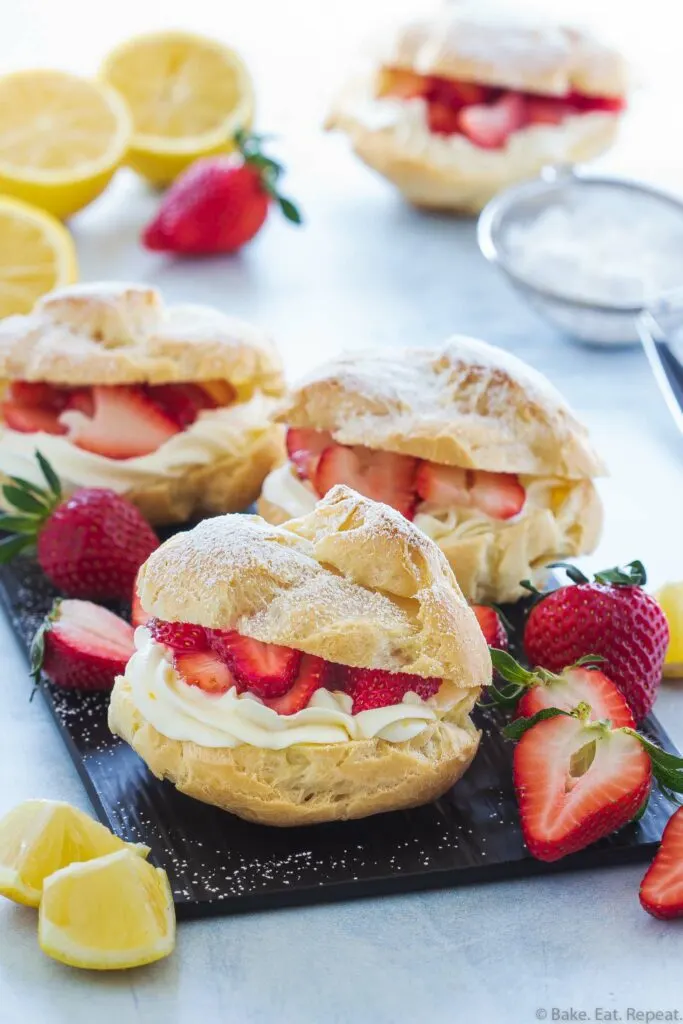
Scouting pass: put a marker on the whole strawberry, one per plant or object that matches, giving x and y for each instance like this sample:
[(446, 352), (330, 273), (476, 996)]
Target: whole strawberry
[(90, 545), (219, 203), (610, 616)]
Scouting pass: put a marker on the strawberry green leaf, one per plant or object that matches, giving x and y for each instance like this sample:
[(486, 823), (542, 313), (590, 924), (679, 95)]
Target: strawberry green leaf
[(632, 575), (515, 730), (575, 574), (23, 500), (588, 659), (11, 546), (290, 211), (666, 768), (37, 650), (51, 478), (26, 485), (501, 697), (510, 669), (19, 524)]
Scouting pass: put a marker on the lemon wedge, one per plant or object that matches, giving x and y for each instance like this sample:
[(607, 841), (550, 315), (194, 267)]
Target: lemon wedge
[(670, 598), (37, 254), (187, 95), (61, 138), (39, 837), (107, 914)]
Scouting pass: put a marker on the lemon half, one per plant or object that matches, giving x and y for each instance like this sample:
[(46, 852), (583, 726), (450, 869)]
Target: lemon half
[(107, 914), (670, 598), (187, 95), (61, 138), (37, 254), (39, 837)]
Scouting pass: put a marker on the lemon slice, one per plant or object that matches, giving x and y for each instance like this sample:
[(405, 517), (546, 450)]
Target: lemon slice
[(40, 836), (188, 95), (61, 138), (107, 914), (670, 598), (37, 254)]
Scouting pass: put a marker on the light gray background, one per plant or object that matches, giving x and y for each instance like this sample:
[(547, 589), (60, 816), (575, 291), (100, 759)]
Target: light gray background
[(365, 271)]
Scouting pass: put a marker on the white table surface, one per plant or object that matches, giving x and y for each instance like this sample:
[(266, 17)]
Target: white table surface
[(366, 270)]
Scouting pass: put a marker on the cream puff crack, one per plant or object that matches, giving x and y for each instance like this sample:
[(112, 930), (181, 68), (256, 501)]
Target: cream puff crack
[(316, 671), (460, 104), (465, 440), (169, 405)]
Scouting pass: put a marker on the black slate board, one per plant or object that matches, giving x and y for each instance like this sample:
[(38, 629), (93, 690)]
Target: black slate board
[(219, 864)]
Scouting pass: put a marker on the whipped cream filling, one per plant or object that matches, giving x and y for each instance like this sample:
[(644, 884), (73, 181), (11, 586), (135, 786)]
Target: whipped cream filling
[(215, 433), (284, 487), (183, 712)]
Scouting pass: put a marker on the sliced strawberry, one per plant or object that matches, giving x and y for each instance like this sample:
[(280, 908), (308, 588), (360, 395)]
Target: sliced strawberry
[(313, 674), (305, 447), (444, 485), (491, 626), (37, 393), (661, 891), (182, 403), (573, 687), (499, 495), (583, 102), (27, 419), (180, 636), (267, 670), (456, 94), (82, 400), (575, 783), (546, 110), (83, 646), (489, 126), (442, 119), (375, 688), (382, 476), (125, 424), (205, 670)]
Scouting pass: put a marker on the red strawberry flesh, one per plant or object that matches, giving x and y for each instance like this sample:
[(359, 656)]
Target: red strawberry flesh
[(382, 476), (181, 403), (312, 675), (31, 419), (491, 626), (576, 686), (375, 688), (305, 447), (268, 670), (125, 424), (204, 670), (661, 891), (568, 800), (180, 636), (86, 646)]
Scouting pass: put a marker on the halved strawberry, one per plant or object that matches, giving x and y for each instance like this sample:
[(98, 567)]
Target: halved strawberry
[(125, 424), (571, 688), (305, 447), (457, 94), (610, 104), (382, 476), (499, 495), (267, 670), (375, 688), (444, 485), (312, 675), (82, 400), (442, 119), (533, 690), (27, 419), (490, 125), (577, 782), (182, 403), (180, 636), (661, 891), (491, 626), (82, 646), (205, 670)]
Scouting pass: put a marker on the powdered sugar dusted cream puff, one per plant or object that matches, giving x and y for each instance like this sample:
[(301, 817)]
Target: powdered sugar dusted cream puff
[(466, 440), (320, 670), (169, 405), (461, 103)]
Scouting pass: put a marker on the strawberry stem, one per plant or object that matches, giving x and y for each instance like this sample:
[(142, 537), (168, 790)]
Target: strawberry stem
[(269, 171)]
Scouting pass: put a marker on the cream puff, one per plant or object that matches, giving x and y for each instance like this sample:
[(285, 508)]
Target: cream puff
[(168, 405), (317, 671), (475, 447), (459, 104)]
